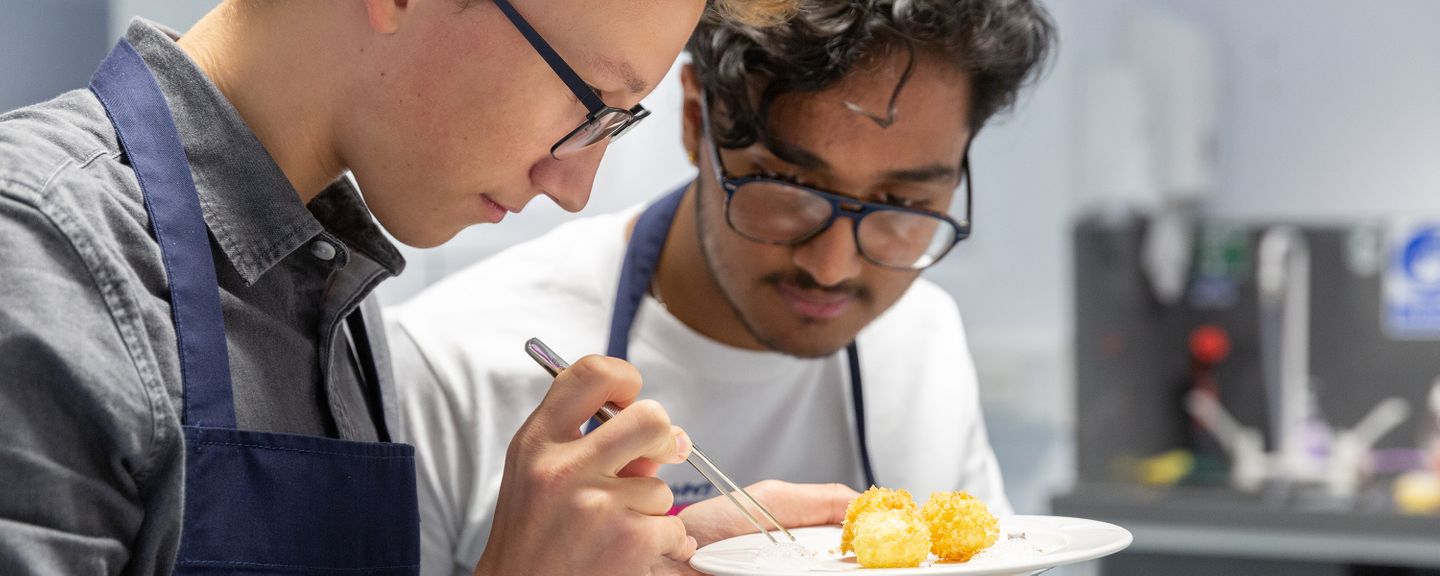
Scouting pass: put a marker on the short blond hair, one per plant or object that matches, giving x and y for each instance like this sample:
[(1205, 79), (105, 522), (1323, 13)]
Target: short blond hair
[(756, 12)]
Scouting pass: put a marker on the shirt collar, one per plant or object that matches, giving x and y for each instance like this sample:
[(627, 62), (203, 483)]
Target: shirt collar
[(254, 214), (342, 211)]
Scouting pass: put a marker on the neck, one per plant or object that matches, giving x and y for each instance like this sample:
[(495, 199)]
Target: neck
[(689, 287), (267, 67)]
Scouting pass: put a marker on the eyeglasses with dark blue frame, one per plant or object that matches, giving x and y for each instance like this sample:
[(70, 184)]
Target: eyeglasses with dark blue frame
[(602, 122), (775, 211)]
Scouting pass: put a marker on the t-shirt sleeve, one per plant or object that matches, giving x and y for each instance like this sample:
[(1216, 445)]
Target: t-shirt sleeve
[(981, 469), (433, 421)]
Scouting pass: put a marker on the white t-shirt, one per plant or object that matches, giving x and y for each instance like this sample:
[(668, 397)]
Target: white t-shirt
[(466, 385)]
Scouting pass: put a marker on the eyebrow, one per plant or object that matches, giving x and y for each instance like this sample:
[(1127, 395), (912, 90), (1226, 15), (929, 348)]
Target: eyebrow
[(627, 74), (795, 155), (808, 161), (924, 174)]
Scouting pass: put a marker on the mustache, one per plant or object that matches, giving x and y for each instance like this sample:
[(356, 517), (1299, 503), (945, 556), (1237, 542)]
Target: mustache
[(804, 281)]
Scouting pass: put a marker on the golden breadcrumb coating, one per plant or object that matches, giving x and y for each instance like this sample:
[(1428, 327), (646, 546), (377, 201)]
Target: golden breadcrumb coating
[(960, 526), (895, 538), (872, 499)]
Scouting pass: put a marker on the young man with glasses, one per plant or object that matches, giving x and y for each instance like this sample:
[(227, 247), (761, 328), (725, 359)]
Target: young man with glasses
[(193, 378), (773, 304)]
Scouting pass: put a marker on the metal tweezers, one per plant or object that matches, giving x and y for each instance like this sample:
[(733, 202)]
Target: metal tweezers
[(554, 364)]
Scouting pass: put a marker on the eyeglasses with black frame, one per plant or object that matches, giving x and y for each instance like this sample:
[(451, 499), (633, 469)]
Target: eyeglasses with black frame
[(775, 211), (602, 121)]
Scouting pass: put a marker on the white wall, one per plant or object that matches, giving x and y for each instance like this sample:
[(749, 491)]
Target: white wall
[(48, 47), (179, 14), (1334, 107), (1329, 110)]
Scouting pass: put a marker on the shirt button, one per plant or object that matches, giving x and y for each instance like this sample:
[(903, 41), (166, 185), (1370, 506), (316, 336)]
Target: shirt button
[(322, 250)]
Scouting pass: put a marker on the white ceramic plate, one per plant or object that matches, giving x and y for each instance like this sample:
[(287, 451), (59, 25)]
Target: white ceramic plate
[(1047, 541)]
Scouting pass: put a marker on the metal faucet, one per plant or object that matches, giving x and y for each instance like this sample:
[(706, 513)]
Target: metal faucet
[(1343, 461), (1284, 281)]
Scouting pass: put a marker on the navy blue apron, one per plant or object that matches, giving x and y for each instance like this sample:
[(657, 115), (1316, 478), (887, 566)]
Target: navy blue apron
[(255, 503), (641, 257)]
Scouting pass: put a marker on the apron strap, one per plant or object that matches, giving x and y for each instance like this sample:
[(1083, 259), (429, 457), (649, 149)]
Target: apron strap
[(857, 400), (151, 142), (642, 255), (358, 337)]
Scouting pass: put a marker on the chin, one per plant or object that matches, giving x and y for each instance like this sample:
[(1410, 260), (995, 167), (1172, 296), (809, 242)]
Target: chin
[(422, 236), (806, 345), (792, 335)]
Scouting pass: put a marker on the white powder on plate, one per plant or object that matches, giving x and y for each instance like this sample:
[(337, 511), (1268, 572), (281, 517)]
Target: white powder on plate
[(1014, 547), (785, 556)]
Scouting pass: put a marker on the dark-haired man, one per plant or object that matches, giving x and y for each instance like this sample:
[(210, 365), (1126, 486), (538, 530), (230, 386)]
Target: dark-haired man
[(773, 304)]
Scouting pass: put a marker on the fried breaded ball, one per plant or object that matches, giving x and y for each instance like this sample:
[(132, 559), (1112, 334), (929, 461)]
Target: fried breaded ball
[(872, 499), (960, 526), (896, 538)]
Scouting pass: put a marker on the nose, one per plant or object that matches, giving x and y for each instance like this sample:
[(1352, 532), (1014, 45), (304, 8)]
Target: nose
[(568, 182), (831, 257)]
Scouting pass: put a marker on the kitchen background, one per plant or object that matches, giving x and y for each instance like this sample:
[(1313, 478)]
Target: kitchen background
[(1161, 122)]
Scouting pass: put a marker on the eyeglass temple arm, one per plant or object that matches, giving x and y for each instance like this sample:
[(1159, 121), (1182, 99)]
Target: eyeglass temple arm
[(572, 80), (709, 140), (969, 189)]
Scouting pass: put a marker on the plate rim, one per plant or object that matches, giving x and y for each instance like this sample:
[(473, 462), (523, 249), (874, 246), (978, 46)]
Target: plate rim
[(1124, 540)]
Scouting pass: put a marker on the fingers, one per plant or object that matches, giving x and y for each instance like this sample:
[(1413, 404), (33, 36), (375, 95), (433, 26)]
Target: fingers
[(579, 391), (670, 537), (641, 430), (644, 495), (639, 468), (647, 467), (561, 487)]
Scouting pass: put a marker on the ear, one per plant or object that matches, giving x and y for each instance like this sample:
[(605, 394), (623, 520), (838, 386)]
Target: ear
[(690, 113), (385, 16)]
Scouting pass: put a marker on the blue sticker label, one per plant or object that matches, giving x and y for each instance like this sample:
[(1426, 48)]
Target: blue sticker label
[(1412, 284)]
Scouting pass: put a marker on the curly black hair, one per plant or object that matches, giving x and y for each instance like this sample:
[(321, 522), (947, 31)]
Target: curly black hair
[(1003, 45)]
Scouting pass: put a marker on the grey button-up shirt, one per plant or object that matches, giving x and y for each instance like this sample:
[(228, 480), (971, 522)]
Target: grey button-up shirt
[(91, 450)]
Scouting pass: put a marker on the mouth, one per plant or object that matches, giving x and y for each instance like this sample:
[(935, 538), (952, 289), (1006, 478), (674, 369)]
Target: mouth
[(494, 211), (813, 304)]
